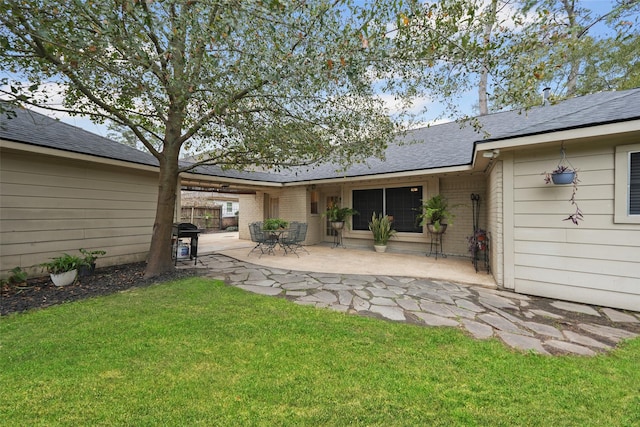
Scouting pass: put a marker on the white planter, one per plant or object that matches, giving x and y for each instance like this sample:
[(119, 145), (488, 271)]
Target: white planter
[(64, 279), (380, 248)]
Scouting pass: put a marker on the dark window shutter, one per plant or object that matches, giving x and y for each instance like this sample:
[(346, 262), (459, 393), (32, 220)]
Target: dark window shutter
[(634, 183)]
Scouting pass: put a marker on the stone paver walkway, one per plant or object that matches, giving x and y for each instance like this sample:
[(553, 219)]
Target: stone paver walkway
[(526, 323)]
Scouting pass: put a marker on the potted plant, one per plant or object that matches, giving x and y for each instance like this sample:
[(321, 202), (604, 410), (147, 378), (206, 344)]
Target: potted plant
[(565, 174), (382, 230), (272, 224), (63, 270), (433, 212), (338, 216), (89, 259), (478, 242)]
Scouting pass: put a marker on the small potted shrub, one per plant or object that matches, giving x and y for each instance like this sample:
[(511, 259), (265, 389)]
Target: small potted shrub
[(433, 212), (382, 230), (63, 270), (89, 259)]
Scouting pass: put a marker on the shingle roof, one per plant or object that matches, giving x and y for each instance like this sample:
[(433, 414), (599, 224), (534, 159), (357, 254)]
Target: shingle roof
[(37, 129), (434, 147)]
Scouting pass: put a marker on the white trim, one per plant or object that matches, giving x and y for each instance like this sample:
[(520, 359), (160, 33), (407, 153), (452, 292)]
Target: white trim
[(621, 185), (508, 221)]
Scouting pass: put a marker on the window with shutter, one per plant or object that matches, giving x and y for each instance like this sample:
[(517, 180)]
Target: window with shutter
[(634, 183), (627, 184)]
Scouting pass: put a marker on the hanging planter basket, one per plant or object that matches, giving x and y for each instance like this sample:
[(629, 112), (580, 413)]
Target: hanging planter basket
[(563, 178)]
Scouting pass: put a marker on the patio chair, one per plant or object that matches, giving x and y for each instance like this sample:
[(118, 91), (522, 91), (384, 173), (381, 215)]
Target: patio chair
[(293, 240), (263, 240)]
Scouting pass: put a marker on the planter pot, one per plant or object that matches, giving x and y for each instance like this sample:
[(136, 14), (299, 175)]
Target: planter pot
[(64, 279), (563, 178), (86, 270), (432, 230), (337, 225), (380, 248)]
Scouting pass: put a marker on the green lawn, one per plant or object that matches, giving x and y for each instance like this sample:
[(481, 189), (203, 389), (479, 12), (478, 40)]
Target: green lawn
[(196, 352)]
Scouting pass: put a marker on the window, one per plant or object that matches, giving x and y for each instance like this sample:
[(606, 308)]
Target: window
[(229, 207), (401, 203), (627, 184), (315, 199)]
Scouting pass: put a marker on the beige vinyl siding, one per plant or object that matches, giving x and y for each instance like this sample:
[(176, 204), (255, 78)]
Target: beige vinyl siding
[(50, 205), (596, 262)]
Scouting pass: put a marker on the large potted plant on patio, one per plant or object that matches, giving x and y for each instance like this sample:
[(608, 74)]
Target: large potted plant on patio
[(434, 212), (382, 230), (338, 216)]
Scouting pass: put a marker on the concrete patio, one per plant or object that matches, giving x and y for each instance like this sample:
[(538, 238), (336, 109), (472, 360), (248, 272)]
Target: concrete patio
[(325, 259)]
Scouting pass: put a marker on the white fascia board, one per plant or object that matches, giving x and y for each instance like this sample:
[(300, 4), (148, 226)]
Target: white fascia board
[(47, 151), (393, 175), (564, 135)]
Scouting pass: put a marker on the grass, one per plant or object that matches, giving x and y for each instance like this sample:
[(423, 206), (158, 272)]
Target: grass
[(196, 352)]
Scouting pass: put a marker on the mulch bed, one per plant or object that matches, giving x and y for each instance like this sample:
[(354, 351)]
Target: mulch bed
[(41, 292)]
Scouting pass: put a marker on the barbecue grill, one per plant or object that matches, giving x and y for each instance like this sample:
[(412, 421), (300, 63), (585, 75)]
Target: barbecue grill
[(185, 230)]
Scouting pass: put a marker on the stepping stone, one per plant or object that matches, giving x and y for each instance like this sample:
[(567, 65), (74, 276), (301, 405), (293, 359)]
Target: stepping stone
[(468, 305), (325, 297), (376, 292), (256, 275), (360, 304), (264, 282), (354, 282), (496, 301), (433, 296), (336, 287), (391, 313), (461, 312), (236, 278), (295, 293), (543, 313), (542, 329), (521, 342), (477, 329), (327, 279), (581, 339), (433, 320), (618, 316), (435, 308), (362, 294), (383, 301), (290, 278), (576, 308), (262, 290), (570, 348), (613, 334), (502, 324), (397, 290), (345, 298), (299, 286), (408, 304)]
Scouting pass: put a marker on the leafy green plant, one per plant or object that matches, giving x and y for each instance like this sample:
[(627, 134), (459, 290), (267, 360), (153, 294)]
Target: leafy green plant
[(337, 214), (63, 263), (90, 257), (274, 224), (18, 276), (381, 228), (434, 211)]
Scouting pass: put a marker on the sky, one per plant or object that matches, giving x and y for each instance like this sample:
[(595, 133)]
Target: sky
[(466, 102)]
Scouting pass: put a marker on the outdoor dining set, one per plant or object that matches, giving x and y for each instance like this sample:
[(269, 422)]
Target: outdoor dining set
[(288, 239)]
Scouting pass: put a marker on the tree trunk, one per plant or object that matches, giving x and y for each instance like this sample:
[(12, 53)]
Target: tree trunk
[(159, 259), (483, 98)]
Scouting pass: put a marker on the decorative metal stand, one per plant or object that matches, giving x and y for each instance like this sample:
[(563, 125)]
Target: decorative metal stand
[(480, 242), (436, 243), (337, 234)]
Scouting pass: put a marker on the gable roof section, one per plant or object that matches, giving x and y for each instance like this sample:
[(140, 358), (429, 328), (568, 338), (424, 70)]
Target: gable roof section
[(425, 149), (36, 129)]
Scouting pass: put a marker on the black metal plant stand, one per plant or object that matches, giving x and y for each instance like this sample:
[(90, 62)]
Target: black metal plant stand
[(479, 248)]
